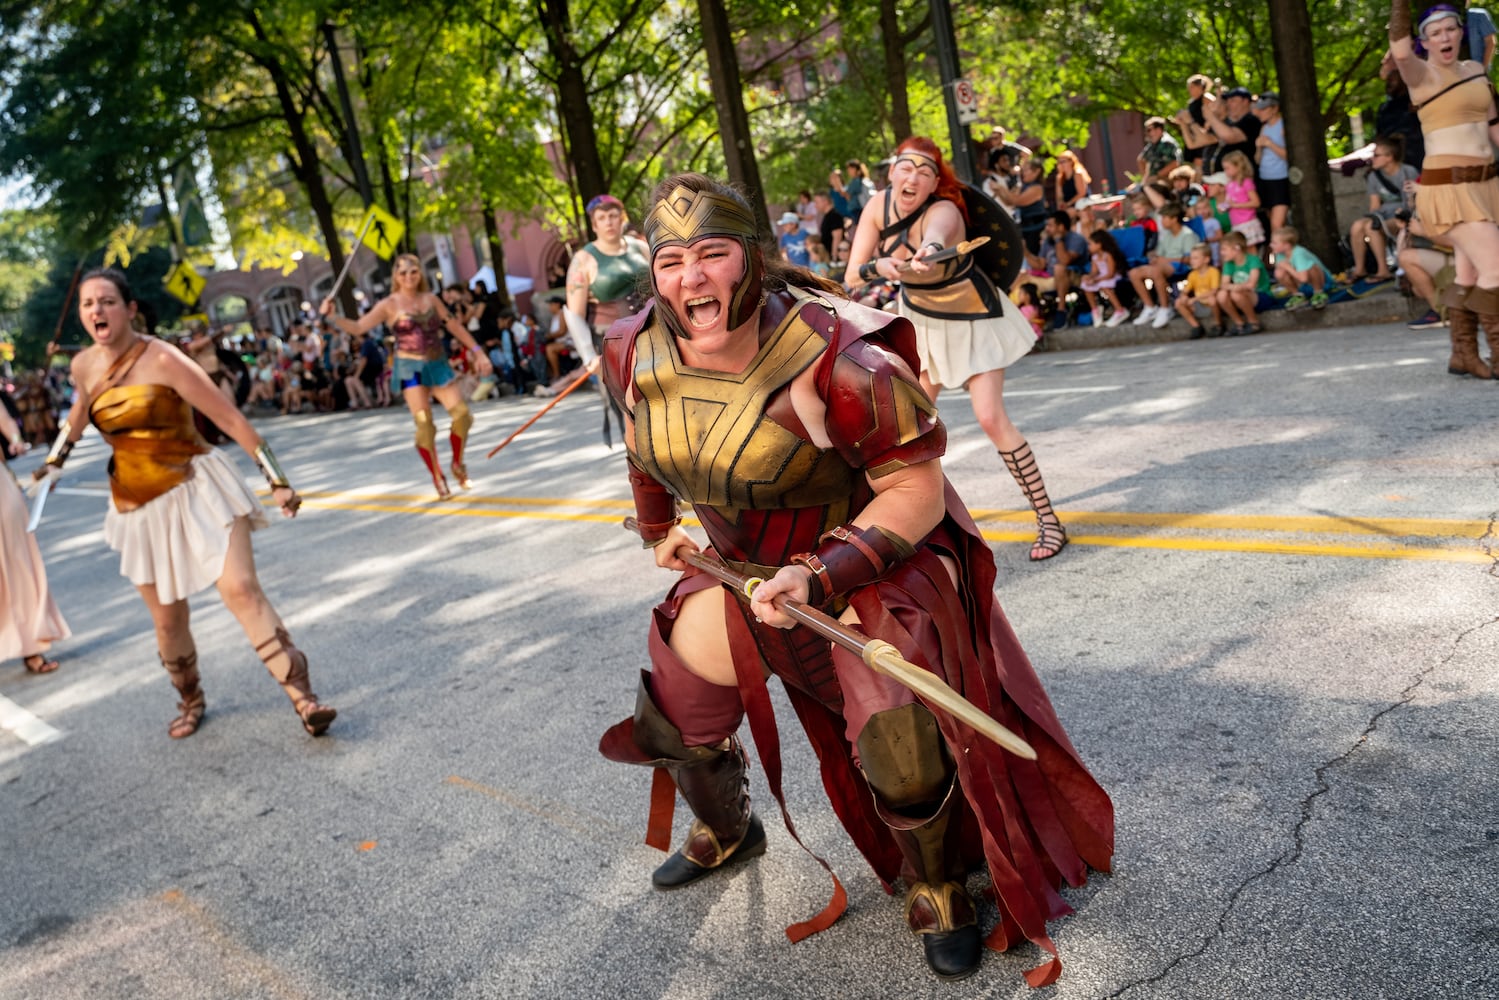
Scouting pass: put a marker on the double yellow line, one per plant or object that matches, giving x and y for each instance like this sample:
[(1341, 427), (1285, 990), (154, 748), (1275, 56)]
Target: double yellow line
[(1424, 539)]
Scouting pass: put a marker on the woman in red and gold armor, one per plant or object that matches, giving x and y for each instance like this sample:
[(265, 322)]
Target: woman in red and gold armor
[(793, 421), (420, 368), (181, 515)]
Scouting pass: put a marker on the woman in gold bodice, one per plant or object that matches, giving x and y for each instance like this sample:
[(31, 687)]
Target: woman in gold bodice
[(181, 515)]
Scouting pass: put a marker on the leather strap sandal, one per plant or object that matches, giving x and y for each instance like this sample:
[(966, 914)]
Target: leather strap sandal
[(184, 674), (316, 718), (37, 663)]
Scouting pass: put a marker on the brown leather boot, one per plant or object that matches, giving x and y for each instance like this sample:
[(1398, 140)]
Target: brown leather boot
[(713, 779), (184, 673), (1485, 303), (315, 718), (724, 829), (906, 763)]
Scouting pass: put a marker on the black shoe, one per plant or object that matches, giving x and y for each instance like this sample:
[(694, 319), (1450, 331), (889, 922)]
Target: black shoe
[(679, 870), (954, 954), (1197, 333)]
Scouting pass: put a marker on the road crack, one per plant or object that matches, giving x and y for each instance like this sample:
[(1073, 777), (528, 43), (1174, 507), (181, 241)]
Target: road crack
[(1293, 853)]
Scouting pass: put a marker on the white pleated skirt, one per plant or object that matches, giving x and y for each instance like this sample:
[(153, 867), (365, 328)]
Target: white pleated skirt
[(952, 351), (29, 619), (179, 540)]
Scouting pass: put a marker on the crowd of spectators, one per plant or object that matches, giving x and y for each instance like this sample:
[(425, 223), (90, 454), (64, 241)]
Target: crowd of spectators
[(1225, 171)]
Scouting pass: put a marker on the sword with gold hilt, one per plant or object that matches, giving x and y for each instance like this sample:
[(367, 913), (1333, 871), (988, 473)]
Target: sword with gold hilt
[(879, 655), (949, 253)]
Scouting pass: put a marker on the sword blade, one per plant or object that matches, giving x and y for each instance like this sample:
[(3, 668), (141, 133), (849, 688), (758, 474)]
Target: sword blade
[(37, 505)]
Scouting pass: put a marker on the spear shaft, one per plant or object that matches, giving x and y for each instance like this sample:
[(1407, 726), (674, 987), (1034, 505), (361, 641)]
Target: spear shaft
[(879, 655)]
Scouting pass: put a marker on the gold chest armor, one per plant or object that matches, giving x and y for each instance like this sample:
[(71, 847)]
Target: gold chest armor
[(151, 430), (706, 436)]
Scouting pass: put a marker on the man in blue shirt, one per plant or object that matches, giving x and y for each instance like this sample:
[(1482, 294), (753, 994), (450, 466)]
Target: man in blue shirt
[(1064, 256), (793, 240)]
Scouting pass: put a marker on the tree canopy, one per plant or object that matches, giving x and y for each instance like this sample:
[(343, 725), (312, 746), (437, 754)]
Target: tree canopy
[(526, 108)]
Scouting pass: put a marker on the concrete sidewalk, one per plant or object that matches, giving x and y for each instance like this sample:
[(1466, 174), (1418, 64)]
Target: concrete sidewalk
[(1384, 305)]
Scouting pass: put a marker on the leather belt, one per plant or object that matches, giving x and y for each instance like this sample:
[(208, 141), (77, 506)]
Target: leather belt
[(1474, 174)]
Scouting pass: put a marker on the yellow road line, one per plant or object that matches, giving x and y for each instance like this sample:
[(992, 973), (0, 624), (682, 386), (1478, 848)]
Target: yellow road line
[(1392, 527), (1387, 538), (1191, 544)]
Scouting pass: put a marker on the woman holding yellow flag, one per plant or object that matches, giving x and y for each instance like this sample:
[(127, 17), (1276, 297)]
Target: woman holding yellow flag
[(421, 370)]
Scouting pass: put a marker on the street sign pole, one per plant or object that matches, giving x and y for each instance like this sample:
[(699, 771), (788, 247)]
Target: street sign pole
[(947, 64)]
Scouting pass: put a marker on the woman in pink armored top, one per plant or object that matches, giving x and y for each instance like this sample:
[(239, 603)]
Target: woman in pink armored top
[(421, 370)]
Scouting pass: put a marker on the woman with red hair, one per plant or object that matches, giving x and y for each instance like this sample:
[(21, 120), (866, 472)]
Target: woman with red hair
[(967, 332)]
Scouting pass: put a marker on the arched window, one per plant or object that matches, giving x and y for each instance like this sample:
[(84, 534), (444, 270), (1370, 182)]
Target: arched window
[(280, 308), (229, 309)]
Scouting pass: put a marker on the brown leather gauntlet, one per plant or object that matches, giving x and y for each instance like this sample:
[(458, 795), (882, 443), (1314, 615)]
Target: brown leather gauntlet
[(850, 557), (655, 507), (1400, 20)]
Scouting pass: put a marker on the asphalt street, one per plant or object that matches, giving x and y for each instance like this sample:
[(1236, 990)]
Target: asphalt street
[(1273, 639)]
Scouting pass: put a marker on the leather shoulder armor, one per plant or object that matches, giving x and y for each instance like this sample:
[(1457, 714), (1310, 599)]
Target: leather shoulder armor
[(878, 417)]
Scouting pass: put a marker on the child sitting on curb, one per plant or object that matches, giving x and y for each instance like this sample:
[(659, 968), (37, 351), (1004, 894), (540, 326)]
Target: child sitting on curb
[(1245, 290), (1200, 291), (1298, 270)]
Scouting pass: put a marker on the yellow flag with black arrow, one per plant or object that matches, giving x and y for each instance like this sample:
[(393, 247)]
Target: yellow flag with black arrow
[(382, 231)]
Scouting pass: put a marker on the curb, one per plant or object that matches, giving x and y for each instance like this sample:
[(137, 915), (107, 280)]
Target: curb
[(1380, 306)]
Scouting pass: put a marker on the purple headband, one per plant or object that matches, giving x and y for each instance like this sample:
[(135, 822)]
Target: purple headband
[(603, 201), (1431, 15)]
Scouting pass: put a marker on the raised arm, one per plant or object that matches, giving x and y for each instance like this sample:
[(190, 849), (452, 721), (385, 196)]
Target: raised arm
[(1402, 46), (363, 324)]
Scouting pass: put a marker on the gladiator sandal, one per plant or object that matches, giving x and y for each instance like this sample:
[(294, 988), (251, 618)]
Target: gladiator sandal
[(910, 771), (1484, 302), (1051, 537), (184, 674), (315, 718)]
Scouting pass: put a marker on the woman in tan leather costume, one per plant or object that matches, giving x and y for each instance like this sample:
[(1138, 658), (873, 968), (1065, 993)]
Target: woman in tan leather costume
[(1458, 196), (181, 515)]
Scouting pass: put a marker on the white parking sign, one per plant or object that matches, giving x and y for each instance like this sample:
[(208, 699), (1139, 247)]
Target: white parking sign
[(967, 101)]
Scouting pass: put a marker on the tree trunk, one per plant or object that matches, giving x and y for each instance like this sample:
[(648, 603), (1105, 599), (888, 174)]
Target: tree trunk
[(496, 255), (572, 104), (1306, 144), (895, 70), (728, 99), (306, 165)]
